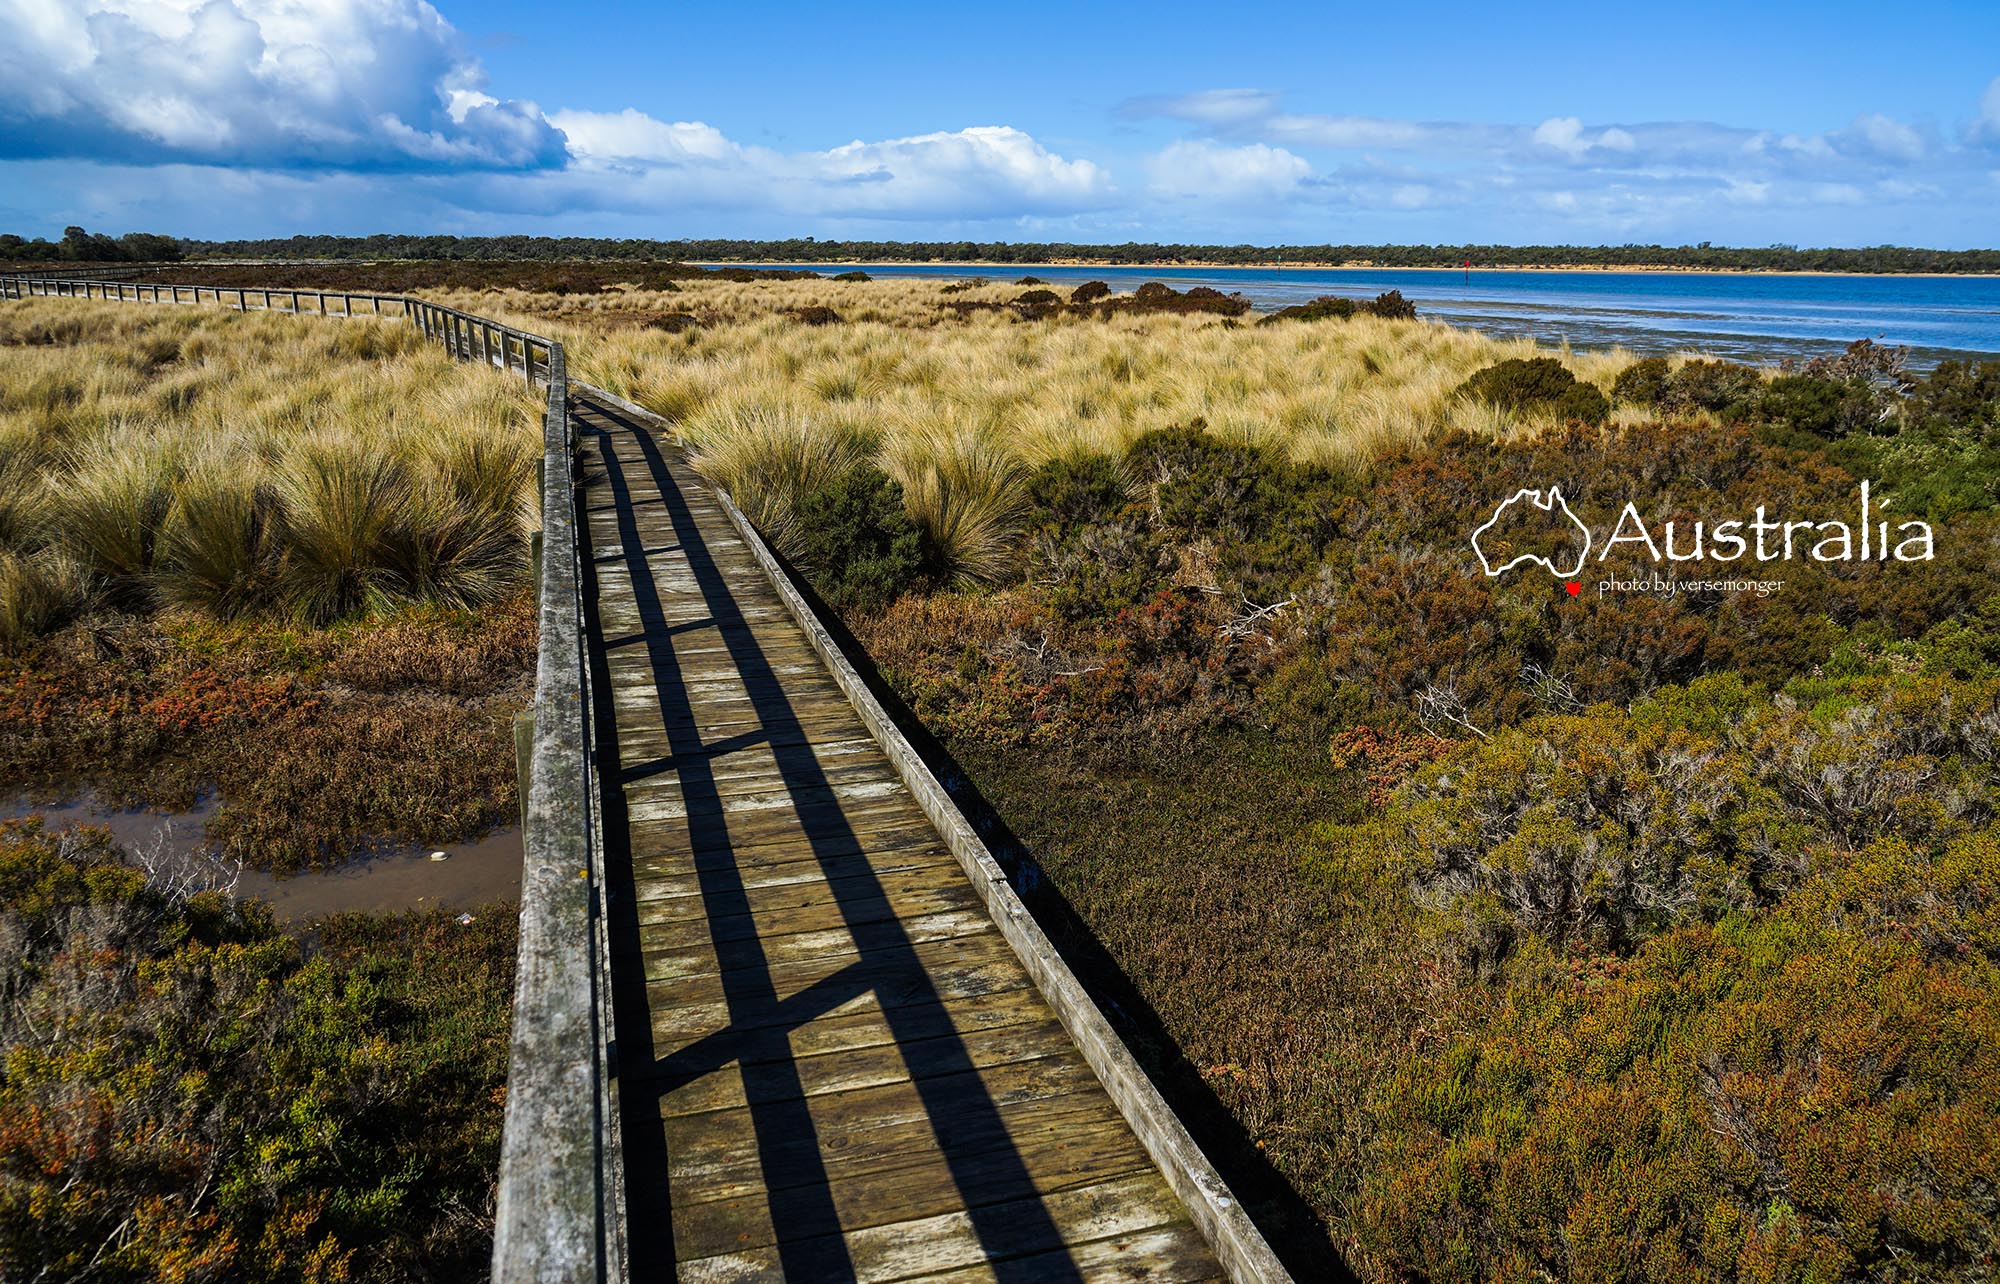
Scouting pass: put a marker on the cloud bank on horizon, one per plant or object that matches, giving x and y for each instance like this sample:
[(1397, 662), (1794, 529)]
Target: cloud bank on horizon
[(262, 117)]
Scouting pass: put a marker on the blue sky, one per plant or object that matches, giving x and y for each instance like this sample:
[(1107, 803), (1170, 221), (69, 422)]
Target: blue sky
[(1739, 124)]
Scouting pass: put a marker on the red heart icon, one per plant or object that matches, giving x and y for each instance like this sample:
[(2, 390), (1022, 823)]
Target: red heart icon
[(1574, 588)]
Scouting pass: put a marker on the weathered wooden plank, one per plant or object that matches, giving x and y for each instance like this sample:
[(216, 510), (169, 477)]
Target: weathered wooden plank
[(872, 1064), (808, 906), (650, 749), (1079, 1154), (761, 759), (689, 953), (653, 856), (1163, 1255), (1122, 1208), (683, 1011), (657, 893), (718, 1155), (850, 797), (817, 822), (869, 1026)]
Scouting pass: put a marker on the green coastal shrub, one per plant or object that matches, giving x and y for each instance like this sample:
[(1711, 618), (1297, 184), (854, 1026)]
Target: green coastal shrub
[(1390, 305), (1823, 407), (855, 542), (1934, 451), (1090, 292), (1071, 493), (1327, 307), (1537, 383), (1730, 990), (1961, 395), (1716, 386), (1156, 296), (853, 276), (1519, 382), (229, 1103), (1643, 383), (1811, 1092)]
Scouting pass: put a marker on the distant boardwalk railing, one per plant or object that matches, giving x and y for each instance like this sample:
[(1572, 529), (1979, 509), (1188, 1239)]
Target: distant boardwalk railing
[(561, 1205), (464, 335)]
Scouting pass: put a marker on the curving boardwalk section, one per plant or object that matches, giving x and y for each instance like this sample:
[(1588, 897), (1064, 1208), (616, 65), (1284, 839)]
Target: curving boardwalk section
[(832, 1064), (779, 1015)]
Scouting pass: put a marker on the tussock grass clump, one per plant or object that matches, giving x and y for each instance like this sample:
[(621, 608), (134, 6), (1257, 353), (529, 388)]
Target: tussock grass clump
[(221, 546), (109, 506), (457, 539), (235, 463), (341, 503), (770, 458), (38, 591), (969, 495)]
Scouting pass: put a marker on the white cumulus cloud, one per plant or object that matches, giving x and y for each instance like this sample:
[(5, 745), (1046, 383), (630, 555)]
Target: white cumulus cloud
[(634, 136), (1986, 128), (1877, 137), (1201, 170), (631, 160), (379, 84), (994, 161)]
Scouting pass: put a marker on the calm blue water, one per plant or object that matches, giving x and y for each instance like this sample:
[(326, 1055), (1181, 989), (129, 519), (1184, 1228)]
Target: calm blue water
[(1748, 317)]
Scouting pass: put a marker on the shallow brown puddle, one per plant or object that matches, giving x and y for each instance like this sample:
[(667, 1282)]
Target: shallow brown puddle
[(385, 881)]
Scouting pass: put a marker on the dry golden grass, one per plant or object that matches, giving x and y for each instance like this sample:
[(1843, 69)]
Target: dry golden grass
[(958, 404), (237, 462), (954, 404), (902, 364)]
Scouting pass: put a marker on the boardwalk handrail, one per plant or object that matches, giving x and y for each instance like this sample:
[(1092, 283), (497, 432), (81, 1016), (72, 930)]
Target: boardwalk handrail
[(560, 1214), (465, 335), (561, 1207)]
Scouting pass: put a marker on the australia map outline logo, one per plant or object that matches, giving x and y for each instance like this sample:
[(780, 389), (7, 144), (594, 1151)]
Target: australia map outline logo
[(1518, 512)]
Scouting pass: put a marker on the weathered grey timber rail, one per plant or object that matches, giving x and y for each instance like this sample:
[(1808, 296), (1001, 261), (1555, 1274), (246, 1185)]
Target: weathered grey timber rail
[(465, 336), (780, 1015)]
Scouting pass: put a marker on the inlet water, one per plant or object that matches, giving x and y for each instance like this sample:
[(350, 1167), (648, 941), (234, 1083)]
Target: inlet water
[(1758, 317)]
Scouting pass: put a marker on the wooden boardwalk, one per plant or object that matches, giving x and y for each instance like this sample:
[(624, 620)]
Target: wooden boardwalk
[(832, 1066)]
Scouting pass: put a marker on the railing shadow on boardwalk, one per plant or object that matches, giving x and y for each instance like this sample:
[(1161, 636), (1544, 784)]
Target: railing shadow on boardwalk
[(1003, 1207), (1295, 1230)]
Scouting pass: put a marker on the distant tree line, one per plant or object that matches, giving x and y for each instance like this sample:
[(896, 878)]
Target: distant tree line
[(1787, 258), (79, 246)]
